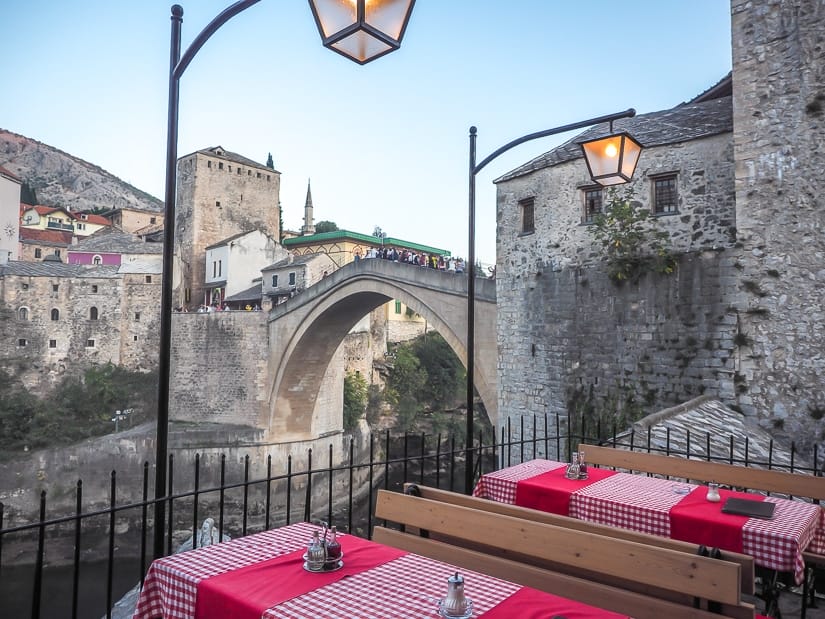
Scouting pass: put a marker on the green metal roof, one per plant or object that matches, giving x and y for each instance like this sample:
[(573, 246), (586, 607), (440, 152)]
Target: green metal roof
[(346, 235)]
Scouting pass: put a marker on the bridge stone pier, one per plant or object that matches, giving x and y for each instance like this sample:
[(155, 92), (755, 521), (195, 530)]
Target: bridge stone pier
[(306, 331)]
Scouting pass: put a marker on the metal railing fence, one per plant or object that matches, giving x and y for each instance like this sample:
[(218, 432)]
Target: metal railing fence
[(115, 537)]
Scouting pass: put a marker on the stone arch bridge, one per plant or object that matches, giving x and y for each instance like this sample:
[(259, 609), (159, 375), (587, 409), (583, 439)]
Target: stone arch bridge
[(306, 331)]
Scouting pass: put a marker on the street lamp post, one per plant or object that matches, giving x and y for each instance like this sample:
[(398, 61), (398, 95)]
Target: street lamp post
[(616, 153), (360, 32)]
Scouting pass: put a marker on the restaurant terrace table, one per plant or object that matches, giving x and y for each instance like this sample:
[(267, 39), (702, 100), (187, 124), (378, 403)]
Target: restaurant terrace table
[(262, 576), (661, 507)]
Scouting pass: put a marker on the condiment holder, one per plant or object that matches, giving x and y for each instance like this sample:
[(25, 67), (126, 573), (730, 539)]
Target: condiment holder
[(713, 492), (324, 555), (455, 604), (577, 469)]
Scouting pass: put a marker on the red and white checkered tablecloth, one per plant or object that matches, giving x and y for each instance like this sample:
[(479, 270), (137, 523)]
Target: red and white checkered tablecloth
[(629, 501), (818, 542), (778, 543), (171, 583), (500, 486), (643, 503), (410, 586)]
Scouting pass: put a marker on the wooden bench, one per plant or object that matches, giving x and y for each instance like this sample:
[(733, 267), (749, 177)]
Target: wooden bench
[(617, 574), (454, 498), (747, 478)]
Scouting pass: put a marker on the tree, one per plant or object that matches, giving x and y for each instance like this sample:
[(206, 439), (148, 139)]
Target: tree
[(378, 232), (445, 373), (325, 226), (355, 399), (629, 239)]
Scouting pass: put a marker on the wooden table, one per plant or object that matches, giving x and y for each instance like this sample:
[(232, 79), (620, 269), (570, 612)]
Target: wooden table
[(262, 576), (649, 505)]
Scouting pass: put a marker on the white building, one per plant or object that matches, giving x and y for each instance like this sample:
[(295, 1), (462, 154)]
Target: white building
[(9, 215)]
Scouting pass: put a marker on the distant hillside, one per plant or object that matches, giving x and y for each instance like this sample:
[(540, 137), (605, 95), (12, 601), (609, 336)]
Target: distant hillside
[(59, 179)]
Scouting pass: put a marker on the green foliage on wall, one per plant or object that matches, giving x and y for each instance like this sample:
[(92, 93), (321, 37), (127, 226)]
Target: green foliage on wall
[(79, 407), (629, 239), (356, 397)]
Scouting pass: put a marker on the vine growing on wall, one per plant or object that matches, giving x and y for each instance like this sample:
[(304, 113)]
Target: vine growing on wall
[(630, 241)]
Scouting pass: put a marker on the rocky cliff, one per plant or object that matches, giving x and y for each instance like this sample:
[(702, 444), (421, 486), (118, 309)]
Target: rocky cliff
[(60, 179)]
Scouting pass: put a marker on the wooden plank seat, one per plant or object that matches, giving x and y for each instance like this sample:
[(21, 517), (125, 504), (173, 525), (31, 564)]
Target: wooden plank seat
[(625, 576), (435, 494)]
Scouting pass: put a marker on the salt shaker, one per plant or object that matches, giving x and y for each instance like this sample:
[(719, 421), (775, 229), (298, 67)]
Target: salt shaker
[(713, 492), (455, 605)]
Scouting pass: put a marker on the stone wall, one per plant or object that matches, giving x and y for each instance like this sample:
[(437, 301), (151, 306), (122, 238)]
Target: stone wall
[(53, 347), (639, 347), (779, 129), (219, 368)]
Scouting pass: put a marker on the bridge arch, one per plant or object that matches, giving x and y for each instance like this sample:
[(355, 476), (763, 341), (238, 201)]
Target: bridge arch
[(306, 331)]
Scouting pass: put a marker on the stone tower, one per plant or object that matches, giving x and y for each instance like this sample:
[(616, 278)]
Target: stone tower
[(309, 224), (779, 129), (220, 194)]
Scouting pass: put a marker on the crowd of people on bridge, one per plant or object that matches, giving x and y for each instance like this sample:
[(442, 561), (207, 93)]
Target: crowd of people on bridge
[(432, 261)]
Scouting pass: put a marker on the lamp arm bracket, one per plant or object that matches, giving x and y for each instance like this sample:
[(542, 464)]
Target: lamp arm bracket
[(223, 17), (629, 113)]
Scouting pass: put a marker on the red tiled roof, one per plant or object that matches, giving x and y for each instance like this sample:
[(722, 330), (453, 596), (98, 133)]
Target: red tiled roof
[(46, 236), (92, 219)]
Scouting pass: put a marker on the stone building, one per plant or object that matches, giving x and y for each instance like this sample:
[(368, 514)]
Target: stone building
[(288, 277), (220, 194), (732, 177), (59, 317), (36, 245), (134, 219)]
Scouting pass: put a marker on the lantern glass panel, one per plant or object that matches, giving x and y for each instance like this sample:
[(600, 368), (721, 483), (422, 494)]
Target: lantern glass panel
[(630, 158), (388, 16), (361, 46), (335, 15)]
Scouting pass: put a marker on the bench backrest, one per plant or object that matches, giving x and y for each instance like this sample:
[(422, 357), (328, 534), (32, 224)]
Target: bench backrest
[(604, 596), (615, 562), (745, 561), (794, 484)]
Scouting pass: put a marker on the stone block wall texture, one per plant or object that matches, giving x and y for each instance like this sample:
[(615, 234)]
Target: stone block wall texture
[(779, 129), (218, 198), (662, 340), (219, 368)]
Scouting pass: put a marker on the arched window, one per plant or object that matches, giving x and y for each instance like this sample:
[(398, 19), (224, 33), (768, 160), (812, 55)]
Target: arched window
[(23, 313), (93, 313), (55, 314), (97, 260)]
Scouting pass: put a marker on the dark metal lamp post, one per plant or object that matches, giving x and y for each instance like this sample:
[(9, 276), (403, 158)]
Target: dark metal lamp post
[(361, 30), (610, 160)]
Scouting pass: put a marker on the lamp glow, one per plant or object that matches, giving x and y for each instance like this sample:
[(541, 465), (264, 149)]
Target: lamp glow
[(611, 160)]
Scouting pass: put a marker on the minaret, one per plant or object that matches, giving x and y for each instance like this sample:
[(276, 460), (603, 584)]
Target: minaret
[(309, 225)]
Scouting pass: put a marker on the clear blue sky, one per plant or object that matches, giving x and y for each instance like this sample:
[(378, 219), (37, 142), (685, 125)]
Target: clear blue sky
[(384, 144)]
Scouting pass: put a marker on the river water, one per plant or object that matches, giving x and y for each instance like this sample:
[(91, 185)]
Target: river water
[(16, 586)]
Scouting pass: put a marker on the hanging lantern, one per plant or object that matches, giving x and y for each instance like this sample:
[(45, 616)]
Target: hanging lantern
[(362, 30), (611, 160)]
